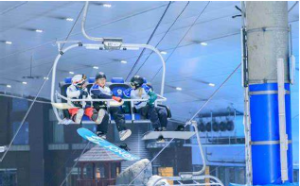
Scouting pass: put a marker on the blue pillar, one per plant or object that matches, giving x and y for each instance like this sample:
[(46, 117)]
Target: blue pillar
[(265, 133)]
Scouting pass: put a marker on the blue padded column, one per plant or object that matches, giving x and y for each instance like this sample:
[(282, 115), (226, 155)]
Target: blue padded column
[(265, 133)]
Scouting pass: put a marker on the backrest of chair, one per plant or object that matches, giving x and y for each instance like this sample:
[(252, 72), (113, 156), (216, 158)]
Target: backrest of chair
[(117, 80)]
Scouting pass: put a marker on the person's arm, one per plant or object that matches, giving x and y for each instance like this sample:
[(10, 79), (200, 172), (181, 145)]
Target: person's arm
[(100, 95), (73, 94), (97, 93), (152, 95), (85, 95)]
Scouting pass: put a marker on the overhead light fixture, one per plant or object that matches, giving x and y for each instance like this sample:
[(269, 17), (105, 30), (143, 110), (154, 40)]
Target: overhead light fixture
[(123, 61), (95, 67), (211, 84), (69, 19), (163, 52), (203, 44), (24, 83), (179, 88), (8, 42), (71, 72), (8, 86), (106, 5), (46, 78), (39, 30)]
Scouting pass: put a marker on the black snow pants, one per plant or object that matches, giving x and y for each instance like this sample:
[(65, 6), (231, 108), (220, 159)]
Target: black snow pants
[(118, 117), (157, 115)]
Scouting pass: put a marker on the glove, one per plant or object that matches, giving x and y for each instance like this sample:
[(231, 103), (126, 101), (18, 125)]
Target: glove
[(118, 99), (77, 104), (152, 98)]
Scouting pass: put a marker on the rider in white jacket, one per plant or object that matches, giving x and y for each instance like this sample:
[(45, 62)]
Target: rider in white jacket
[(78, 90)]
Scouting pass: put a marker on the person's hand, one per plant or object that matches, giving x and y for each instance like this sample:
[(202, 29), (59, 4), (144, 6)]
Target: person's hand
[(118, 99)]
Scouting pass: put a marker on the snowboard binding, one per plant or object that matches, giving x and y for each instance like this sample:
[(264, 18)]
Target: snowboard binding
[(180, 128), (124, 146), (160, 139)]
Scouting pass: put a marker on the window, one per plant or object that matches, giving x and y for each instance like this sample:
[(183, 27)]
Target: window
[(8, 177), (19, 105), (58, 133), (100, 171), (23, 135)]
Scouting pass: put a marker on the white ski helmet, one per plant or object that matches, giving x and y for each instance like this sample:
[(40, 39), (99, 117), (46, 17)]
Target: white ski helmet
[(78, 80)]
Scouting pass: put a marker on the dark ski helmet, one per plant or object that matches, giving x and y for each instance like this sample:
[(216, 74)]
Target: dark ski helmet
[(100, 75), (137, 81)]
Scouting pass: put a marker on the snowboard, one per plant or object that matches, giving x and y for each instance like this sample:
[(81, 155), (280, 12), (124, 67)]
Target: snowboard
[(152, 135), (92, 137)]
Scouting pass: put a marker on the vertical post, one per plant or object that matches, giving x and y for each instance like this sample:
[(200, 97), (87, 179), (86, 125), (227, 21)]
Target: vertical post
[(282, 121), (267, 40)]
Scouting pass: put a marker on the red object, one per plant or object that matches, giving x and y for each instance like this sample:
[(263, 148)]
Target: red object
[(118, 99), (73, 111), (88, 111)]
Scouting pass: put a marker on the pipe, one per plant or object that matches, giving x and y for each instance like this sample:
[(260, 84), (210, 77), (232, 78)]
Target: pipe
[(86, 7)]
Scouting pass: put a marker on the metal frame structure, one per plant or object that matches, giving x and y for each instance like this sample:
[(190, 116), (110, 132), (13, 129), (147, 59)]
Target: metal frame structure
[(107, 44), (247, 118), (193, 176)]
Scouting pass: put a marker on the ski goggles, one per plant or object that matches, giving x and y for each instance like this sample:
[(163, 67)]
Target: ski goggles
[(81, 83), (135, 84)]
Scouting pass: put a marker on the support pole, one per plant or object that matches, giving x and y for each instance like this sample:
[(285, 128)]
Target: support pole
[(267, 41)]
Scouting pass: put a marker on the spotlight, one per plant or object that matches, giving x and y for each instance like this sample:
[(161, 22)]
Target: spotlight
[(203, 44), (69, 19), (24, 83), (8, 42), (211, 84), (46, 78), (179, 88), (71, 72), (95, 67), (163, 52), (106, 5), (38, 30), (123, 61), (8, 86)]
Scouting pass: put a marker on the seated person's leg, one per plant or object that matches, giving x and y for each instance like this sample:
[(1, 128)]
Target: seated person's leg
[(94, 115), (163, 117), (103, 126), (76, 114), (153, 116), (118, 117)]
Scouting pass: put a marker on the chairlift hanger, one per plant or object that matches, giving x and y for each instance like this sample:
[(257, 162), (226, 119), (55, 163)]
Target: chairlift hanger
[(106, 44)]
